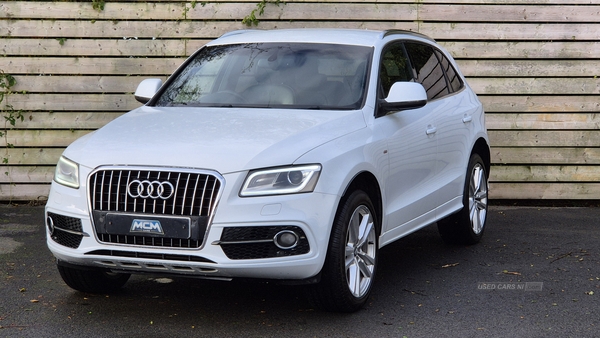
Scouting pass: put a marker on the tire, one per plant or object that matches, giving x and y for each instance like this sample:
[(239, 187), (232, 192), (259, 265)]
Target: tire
[(92, 280), (466, 227), (349, 270)]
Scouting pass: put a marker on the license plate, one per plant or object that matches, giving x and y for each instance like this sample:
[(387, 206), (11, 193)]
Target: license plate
[(144, 225)]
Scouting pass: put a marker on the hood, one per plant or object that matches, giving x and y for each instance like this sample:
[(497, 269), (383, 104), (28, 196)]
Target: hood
[(221, 139)]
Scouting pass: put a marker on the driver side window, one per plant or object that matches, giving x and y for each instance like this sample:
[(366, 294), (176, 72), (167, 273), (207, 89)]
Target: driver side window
[(394, 68)]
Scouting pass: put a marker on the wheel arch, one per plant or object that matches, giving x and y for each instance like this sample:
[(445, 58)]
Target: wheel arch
[(368, 183), (333, 291), (482, 148)]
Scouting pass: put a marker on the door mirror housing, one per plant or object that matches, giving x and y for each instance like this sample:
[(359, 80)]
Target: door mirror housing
[(403, 96), (146, 90)]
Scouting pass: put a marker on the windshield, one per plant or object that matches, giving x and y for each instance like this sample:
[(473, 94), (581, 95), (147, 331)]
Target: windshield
[(265, 75)]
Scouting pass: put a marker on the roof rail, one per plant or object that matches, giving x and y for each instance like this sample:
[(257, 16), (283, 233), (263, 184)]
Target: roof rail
[(236, 32), (401, 31)]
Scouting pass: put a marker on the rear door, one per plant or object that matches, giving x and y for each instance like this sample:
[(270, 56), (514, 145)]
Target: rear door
[(451, 112)]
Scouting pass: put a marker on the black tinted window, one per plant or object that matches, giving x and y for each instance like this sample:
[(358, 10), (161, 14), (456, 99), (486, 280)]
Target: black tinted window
[(453, 79), (394, 67), (429, 71)]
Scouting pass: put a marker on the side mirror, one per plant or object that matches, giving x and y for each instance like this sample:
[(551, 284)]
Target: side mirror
[(146, 89), (404, 96)]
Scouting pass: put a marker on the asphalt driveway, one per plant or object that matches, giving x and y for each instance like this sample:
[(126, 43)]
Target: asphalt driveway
[(536, 273)]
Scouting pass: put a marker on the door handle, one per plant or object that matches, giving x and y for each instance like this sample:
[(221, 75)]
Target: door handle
[(467, 118), (431, 130)]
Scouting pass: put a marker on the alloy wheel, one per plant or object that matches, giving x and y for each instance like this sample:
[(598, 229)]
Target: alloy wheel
[(360, 251), (478, 198)]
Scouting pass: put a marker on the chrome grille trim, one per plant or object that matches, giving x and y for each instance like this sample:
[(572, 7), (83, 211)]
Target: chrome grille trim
[(196, 195), (108, 185)]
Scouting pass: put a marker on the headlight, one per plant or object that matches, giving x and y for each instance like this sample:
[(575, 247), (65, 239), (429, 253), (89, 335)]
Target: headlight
[(67, 173), (289, 180)]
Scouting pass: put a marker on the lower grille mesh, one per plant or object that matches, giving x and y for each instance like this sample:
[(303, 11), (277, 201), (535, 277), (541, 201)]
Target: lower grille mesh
[(62, 237), (260, 249), (149, 241)]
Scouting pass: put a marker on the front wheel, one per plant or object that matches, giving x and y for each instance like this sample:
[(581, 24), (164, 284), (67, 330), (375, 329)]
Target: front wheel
[(92, 280), (349, 269), (466, 226)]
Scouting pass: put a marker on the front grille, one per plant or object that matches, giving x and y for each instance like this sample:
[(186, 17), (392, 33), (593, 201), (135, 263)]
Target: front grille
[(256, 242), (195, 193), (147, 194), (66, 238)]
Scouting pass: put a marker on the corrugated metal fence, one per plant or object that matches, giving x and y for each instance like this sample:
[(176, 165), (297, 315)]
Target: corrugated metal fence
[(533, 63)]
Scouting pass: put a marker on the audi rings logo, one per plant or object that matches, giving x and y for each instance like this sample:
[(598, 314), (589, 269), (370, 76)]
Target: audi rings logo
[(147, 189)]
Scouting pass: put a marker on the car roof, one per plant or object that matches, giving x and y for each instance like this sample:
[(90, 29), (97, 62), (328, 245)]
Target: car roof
[(327, 35)]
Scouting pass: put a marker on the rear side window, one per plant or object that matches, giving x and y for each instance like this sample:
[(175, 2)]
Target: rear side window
[(429, 72), (454, 81)]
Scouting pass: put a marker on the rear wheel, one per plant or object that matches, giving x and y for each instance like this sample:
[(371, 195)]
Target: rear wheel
[(467, 226), (349, 269), (92, 280)]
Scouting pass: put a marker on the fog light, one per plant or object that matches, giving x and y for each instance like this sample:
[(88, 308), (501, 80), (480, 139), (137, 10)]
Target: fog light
[(50, 225), (286, 239)]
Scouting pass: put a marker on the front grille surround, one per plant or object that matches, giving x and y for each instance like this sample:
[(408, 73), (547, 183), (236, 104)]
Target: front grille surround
[(196, 194)]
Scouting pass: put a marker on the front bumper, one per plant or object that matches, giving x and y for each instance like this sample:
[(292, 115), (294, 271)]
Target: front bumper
[(309, 214)]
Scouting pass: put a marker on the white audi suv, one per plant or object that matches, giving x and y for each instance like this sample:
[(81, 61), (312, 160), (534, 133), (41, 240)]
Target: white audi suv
[(283, 155)]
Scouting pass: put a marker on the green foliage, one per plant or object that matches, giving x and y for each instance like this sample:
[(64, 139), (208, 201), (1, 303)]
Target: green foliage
[(11, 116), (193, 5), (6, 82), (251, 18), (98, 5)]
